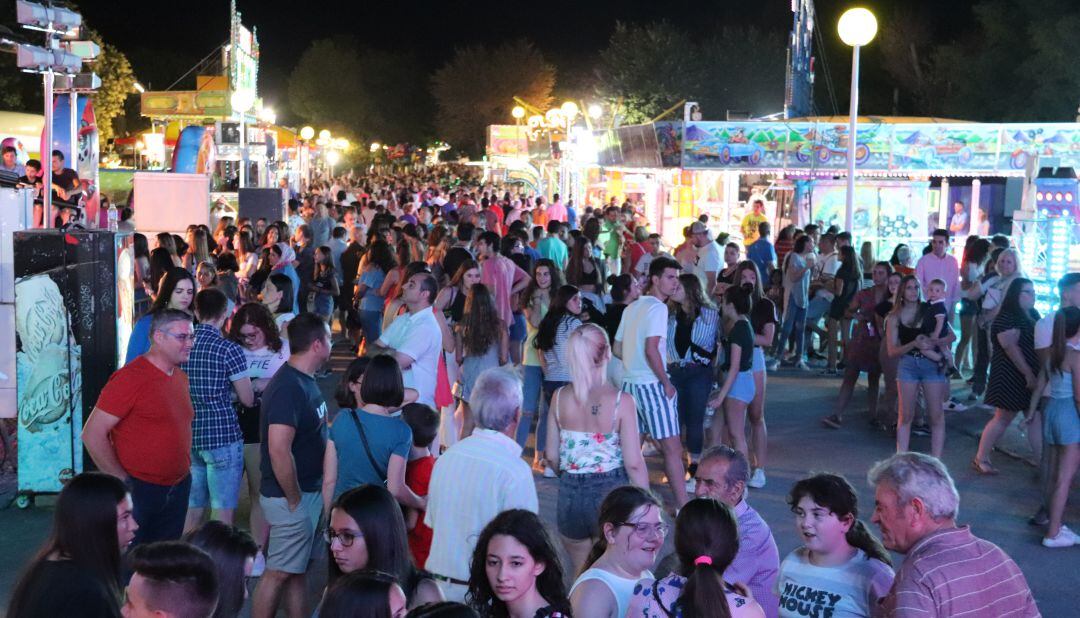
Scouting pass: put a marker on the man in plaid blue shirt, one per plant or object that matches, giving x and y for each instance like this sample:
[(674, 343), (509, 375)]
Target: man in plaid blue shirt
[(215, 369)]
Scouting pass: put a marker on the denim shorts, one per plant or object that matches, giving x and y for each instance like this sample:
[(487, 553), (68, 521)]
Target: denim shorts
[(517, 328), (759, 360), (1060, 423), (578, 509), (216, 476), (920, 369), (743, 389)]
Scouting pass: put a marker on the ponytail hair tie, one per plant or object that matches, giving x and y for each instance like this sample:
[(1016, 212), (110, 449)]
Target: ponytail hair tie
[(703, 560)]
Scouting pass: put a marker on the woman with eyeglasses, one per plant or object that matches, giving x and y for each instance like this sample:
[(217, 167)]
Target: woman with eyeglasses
[(367, 531), (266, 351), (631, 535), (1013, 371), (706, 542)]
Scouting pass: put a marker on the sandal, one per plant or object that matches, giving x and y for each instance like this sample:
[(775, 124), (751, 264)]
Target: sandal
[(984, 468), (832, 421)]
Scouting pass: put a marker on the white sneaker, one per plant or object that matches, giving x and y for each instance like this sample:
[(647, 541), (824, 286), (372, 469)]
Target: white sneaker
[(259, 566), (549, 473), (953, 405), (648, 450), (772, 365), (1064, 538), (801, 365), (757, 479)]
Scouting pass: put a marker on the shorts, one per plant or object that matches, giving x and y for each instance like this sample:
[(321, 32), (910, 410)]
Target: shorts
[(658, 416), (578, 508), (292, 533), (517, 328), (759, 360), (743, 389), (1060, 422), (216, 476), (920, 369)]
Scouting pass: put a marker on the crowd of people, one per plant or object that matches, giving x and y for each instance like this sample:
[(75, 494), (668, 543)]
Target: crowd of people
[(483, 322)]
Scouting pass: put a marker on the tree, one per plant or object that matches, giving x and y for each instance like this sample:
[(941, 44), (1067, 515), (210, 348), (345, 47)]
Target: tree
[(338, 84), (117, 83), (652, 67), (476, 89)]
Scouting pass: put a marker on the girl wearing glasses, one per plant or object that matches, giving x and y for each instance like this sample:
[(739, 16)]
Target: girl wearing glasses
[(706, 541), (632, 533), (254, 329), (367, 531)]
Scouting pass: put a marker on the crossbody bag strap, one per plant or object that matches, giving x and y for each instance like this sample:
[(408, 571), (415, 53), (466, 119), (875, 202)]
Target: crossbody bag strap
[(367, 448)]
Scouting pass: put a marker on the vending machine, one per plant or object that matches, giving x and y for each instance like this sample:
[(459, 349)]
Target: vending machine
[(74, 298)]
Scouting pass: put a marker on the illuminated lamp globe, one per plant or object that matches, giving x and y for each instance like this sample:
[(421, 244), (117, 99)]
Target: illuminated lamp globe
[(333, 157), (857, 27), (324, 134), (267, 115), (569, 109), (595, 111), (341, 144), (307, 133), (536, 120), (518, 112), (242, 100), (554, 117), (375, 146)]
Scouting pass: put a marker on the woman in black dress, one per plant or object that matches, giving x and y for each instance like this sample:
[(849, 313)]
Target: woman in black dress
[(1013, 369)]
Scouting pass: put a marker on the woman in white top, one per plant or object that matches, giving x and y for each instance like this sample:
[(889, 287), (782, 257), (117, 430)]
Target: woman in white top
[(631, 534), (839, 554), (706, 542), (593, 428)]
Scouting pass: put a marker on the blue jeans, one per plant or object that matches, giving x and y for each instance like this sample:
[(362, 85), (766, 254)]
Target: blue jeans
[(534, 379), (692, 384), (371, 324), (159, 510), (794, 326)]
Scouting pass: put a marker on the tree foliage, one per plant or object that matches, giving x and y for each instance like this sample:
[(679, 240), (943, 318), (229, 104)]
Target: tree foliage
[(117, 82), (652, 67), (1017, 63), (476, 89), (366, 93)]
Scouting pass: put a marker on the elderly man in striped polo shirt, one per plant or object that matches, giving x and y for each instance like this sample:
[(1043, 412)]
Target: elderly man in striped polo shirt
[(947, 570)]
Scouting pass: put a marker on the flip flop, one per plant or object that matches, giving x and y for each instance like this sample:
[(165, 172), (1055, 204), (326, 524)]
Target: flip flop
[(984, 468)]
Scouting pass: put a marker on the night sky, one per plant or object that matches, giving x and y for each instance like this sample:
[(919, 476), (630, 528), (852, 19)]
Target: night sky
[(165, 41)]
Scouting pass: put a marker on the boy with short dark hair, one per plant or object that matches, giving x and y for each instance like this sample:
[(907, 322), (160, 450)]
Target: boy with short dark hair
[(424, 423)]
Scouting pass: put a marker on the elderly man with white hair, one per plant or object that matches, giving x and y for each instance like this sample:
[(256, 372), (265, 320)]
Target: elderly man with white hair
[(947, 570), (476, 479)]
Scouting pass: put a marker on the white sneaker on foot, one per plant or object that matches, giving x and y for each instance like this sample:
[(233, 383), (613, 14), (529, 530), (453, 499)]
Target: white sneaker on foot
[(1064, 538), (648, 450), (549, 473), (801, 365), (757, 479)]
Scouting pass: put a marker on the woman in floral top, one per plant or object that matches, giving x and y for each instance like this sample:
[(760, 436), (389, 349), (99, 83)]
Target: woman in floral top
[(593, 429), (515, 570)]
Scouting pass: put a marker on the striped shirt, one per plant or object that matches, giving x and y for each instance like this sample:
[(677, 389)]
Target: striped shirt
[(951, 572), (475, 480), (702, 337), (558, 368)]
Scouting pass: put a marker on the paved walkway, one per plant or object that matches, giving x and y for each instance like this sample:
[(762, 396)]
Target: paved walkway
[(997, 508)]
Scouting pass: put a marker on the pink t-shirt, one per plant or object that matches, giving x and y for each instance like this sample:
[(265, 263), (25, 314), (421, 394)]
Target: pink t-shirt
[(500, 275)]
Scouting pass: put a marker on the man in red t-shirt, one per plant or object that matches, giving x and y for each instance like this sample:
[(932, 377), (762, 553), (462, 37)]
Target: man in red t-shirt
[(140, 430)]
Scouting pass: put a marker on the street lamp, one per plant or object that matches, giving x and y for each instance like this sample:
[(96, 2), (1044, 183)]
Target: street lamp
[(518, 113), (267, 115), (857, 27), (324, 134), (332, 159), (242, 100), (307, 133), (375, 146), (595, 111)]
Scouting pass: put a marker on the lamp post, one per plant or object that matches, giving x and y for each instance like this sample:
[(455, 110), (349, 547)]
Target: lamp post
[(857, 27), (242, 100)]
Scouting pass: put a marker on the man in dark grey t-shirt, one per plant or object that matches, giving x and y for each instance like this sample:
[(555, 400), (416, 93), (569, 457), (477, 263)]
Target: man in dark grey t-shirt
[(292, 424)]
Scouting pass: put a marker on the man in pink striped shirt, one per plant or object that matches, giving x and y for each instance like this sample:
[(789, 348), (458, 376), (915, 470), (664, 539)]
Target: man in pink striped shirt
[(947, 570)]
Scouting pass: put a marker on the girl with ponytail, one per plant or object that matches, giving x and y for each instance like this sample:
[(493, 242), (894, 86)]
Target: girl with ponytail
[(706, 542), (1061, 425), (839, 558)]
